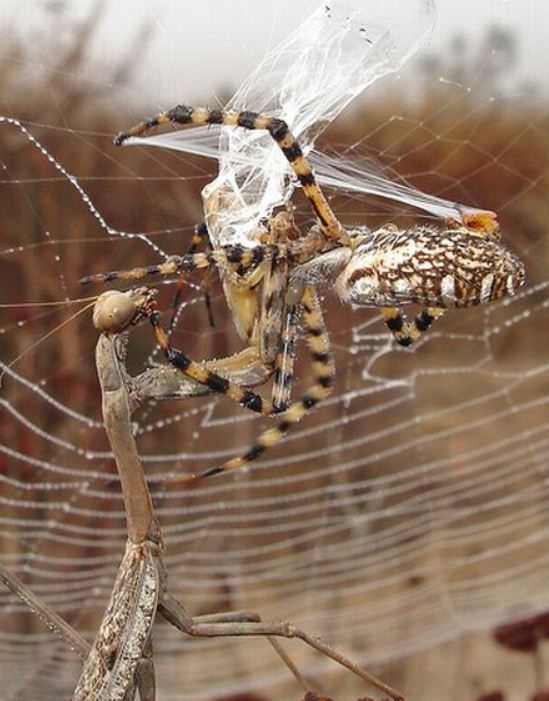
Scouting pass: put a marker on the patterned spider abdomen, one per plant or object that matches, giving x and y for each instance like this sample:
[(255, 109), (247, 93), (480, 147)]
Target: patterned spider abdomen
[(445, 268)]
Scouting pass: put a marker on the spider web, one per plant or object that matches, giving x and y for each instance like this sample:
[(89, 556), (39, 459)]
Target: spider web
[(408, 511)]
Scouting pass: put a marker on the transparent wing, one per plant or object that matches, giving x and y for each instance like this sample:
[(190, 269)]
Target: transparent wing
[(307, 80)]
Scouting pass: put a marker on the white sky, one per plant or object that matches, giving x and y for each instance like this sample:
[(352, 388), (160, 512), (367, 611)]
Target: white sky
[(202, 46)]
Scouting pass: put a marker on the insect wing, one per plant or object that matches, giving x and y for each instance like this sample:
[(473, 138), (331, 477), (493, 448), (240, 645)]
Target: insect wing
[(125, 629)]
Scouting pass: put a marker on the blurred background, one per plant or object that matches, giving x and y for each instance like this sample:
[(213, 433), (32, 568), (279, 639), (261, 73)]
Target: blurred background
[(407, 519)]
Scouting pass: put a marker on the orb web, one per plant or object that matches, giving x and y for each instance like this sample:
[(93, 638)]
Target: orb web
[(409, 509)]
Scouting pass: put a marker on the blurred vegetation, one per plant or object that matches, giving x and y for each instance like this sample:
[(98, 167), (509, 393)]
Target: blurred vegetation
[(458, 143)]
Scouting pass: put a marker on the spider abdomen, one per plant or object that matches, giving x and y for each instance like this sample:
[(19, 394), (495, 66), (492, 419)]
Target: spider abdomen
[(438, 268)]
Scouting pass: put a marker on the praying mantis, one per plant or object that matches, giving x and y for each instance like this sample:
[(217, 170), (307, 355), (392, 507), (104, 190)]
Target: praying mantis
[(119, 664)]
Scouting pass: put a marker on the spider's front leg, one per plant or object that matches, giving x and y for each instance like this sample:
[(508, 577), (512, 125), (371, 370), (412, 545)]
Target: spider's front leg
[(246, 258), (278, 130)]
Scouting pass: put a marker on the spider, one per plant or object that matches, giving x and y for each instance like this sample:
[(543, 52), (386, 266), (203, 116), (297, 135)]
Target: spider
[(269, 286)]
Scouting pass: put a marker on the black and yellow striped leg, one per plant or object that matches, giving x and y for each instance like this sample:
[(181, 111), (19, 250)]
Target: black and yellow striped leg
[(223, 257), (285, 360), (201, 374), (278, 129), (323, 368), (200, 235), (173, 265), (237, 260), (408, 332), (277, 331)]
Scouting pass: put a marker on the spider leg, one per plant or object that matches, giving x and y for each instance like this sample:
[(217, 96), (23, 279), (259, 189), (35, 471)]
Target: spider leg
[(278, 129), (174, 264), (285, 359), (201, 374), (259, 320), (273, 307), (277, 330), (408, 332), (237, 261), (265, 322), (205, 285), (260, 326), (200, 235), (323, 368), (246, 258)]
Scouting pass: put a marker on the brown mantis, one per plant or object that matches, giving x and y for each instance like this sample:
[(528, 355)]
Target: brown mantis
[(119, 663)]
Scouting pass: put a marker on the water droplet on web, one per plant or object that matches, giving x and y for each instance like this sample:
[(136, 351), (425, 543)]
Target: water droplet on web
[(73, 180)]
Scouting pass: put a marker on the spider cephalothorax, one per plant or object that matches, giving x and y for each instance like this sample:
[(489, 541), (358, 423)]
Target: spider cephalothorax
[(270, 286)]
